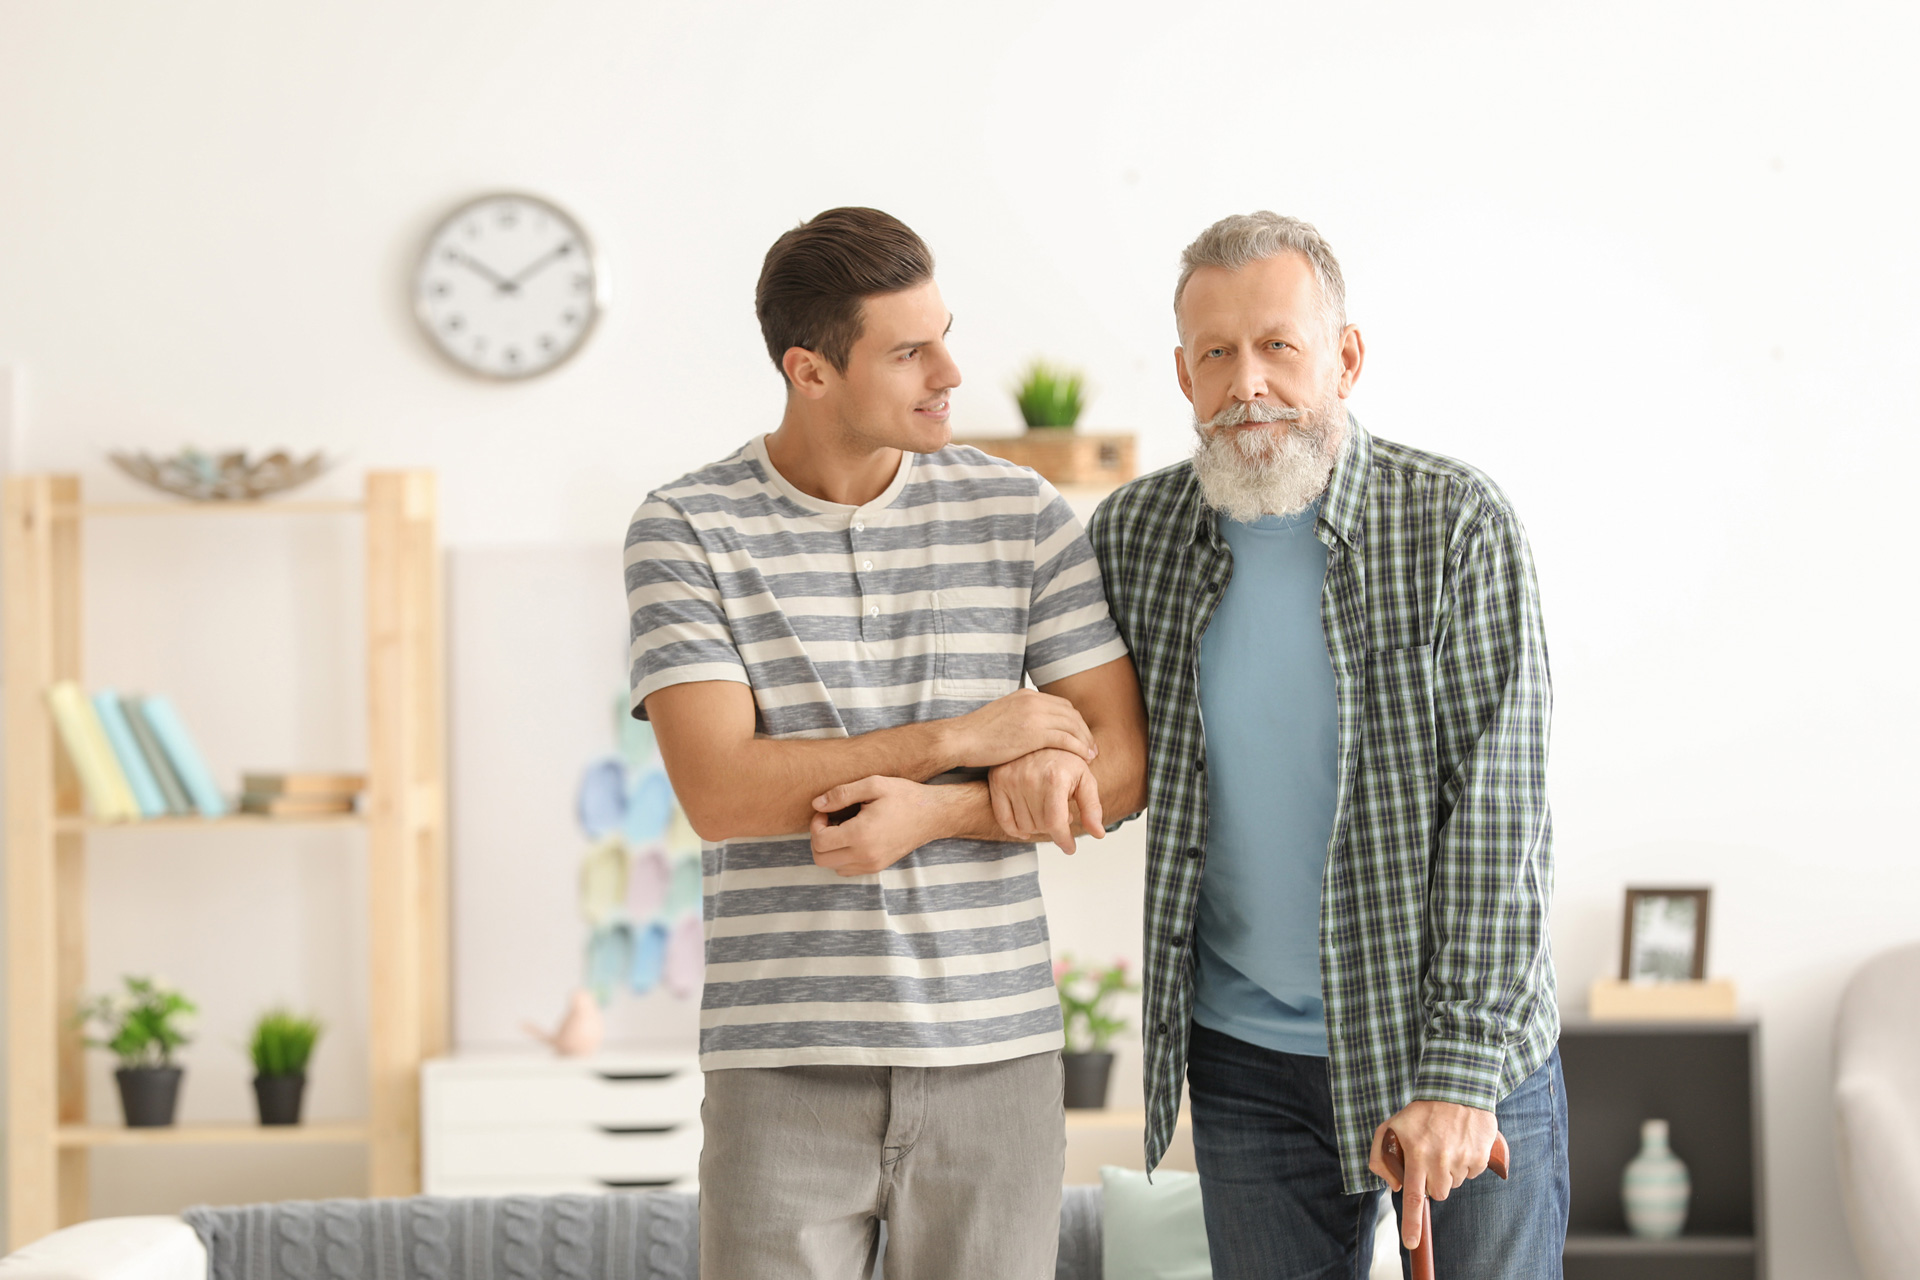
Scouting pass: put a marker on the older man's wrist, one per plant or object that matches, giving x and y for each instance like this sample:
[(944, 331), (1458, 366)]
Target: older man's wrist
[(1461, 1071)]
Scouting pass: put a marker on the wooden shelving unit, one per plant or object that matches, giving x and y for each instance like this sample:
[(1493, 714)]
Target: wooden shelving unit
[(404, 814), (251, 821), (190, 1135), (1115, 1136)]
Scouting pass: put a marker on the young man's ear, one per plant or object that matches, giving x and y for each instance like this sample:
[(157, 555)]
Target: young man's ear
[(806, 372)]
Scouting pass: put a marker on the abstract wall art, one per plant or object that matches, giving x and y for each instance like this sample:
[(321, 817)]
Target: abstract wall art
[(639, 872)]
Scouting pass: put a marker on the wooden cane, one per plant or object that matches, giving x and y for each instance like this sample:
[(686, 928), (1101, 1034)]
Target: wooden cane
[(1397, 1165)]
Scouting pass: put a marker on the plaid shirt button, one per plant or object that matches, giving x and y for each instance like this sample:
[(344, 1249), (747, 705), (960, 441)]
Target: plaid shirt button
[(1193, 855)]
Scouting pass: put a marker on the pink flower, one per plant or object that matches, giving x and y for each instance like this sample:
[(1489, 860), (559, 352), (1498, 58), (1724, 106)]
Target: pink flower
[(1059, 971)]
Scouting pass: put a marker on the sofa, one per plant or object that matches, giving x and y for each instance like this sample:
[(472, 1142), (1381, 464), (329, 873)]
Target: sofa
[(646, 1236)]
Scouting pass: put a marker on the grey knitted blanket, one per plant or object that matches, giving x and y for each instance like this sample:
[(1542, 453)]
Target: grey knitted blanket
[(653, 1235)]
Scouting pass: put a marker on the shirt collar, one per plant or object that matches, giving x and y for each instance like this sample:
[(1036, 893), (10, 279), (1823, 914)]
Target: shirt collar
[(1343, 509), (756, 451)]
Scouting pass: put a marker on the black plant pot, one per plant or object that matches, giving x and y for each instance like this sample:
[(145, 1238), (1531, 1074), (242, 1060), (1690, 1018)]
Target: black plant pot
[(148, 1095), (1087, 1079), (279, 1098)]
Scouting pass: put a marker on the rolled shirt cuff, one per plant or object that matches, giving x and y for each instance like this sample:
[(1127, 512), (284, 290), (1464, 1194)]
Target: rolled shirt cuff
[(1462, 1071)]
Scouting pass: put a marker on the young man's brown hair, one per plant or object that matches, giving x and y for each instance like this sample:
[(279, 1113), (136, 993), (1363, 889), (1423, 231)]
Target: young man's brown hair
[(816, 276)]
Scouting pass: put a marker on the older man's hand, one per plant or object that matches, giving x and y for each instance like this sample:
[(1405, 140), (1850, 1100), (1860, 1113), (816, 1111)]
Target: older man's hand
[(1444, 1144), (1039, 796)]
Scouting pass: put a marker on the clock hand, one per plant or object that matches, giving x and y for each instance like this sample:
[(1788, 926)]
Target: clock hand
[(541, 262), (474, 264)]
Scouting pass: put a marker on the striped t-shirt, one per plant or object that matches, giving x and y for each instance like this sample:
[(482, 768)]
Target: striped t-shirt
[(941, 594)]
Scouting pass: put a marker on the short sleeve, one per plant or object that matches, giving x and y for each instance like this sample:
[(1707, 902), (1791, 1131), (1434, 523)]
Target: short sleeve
[(1068, 627), (677, 624)]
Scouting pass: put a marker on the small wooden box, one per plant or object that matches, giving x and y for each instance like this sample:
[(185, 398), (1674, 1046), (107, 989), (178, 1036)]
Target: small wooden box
[(1066, 458), (1610, 1000)]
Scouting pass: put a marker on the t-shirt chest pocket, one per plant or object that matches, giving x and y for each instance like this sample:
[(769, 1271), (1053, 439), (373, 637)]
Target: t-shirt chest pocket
[(980, 642)]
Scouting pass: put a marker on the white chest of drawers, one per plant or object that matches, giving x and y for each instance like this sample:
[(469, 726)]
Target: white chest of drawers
[(534, 1124)]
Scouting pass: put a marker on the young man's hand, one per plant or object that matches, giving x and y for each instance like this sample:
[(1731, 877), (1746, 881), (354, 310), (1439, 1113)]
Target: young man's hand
[(1022, 722), (1040, 795), (1444, 1144), (895, 817)]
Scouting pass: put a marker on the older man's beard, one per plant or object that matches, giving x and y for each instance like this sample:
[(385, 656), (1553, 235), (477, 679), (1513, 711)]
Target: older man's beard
[(1248, 472)]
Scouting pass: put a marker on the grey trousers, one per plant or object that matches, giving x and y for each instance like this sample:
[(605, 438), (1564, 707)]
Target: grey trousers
[(802, 1164)]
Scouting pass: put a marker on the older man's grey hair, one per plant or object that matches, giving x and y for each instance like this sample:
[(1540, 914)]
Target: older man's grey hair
[(1241, 238)]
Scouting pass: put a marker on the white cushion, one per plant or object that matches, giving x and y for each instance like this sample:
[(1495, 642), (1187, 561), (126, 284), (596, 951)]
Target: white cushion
[(155, 1248), (1152, 1229)]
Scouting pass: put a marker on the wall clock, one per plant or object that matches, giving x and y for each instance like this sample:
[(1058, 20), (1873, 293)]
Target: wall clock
[(508, 286)]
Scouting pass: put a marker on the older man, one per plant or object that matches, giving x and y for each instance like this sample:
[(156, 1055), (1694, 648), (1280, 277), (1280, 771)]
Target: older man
[(1340, 644)]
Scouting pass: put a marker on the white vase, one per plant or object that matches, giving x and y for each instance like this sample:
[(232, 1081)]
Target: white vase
[(1655, 1187)]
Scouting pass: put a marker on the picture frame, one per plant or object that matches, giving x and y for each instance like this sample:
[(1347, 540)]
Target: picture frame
[(1664, 934)]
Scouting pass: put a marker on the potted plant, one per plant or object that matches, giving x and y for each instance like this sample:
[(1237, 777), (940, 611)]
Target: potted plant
[(282, 1043), (142, 1028), (1050, 396), (1089, 1026)]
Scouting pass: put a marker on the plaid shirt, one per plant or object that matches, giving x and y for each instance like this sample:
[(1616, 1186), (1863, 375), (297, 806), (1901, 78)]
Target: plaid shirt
[(1433, 908)]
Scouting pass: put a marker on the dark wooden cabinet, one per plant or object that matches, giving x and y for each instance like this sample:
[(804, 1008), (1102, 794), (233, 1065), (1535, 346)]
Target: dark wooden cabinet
[(1703, 1078)]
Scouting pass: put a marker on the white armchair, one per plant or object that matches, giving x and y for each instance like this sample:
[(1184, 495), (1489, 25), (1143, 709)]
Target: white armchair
[(1877, 1100)]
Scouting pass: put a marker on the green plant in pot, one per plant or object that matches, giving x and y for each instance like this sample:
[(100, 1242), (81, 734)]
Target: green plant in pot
[(281, 1046), (1085, 998), (1050, 396), (142, 1027)]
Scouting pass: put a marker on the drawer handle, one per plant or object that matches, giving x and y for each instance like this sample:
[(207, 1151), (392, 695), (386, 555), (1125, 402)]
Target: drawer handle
[(630, 1077), (636, 1184), (624, 1130)]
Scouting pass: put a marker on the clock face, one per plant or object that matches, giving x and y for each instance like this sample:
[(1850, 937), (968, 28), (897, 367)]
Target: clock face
[(508, 286)]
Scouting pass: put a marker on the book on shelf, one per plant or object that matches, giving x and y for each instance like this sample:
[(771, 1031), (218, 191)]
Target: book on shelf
[(133, 761), (326, 785), (295, 806), (185, 757), (108, 796), (179, 804)]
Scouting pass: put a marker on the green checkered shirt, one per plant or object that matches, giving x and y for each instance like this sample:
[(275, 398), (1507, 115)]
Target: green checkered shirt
[(1433, 909)]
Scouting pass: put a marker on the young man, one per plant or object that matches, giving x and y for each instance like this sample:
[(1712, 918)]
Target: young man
[(1350, 851), (828, 621)]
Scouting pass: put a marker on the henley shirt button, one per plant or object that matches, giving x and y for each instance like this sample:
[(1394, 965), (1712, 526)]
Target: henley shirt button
[(858, 527), (874, 612), (866, 564)]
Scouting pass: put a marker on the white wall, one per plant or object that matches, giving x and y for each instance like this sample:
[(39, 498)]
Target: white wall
[(1649, 265)]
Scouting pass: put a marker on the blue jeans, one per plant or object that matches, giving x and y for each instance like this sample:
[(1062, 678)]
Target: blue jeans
[(1263, 1139)]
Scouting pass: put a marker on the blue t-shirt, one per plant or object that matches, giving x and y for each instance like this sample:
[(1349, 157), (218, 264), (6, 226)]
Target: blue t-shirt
[(1267, 707)]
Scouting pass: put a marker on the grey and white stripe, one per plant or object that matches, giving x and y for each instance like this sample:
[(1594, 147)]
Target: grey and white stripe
[(966, 576)]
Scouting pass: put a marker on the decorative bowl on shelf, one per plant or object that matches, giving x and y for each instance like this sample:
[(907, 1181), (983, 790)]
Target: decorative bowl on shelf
[(222, 477)]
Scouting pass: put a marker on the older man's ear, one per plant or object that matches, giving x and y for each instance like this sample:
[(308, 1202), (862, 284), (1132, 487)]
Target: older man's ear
[(1353, 354)]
